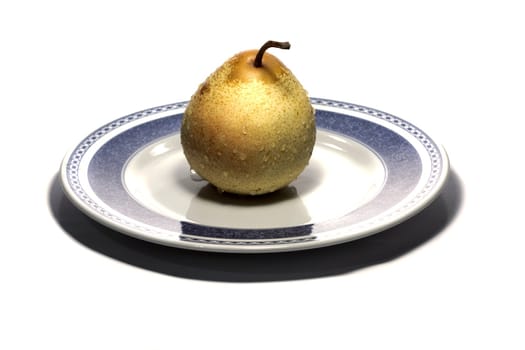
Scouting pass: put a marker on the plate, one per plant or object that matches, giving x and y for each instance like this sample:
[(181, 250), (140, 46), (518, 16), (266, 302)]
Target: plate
[(369, 171)]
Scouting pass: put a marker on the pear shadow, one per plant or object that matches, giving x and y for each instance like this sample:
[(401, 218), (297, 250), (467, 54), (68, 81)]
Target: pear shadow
[(212, 194), (282, 208), (314, 263)]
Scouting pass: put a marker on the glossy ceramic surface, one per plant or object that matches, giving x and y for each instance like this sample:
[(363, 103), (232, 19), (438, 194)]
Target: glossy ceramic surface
[(369, 170)]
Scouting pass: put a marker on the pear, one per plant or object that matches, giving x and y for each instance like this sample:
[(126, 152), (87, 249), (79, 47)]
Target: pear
[(250, 127)]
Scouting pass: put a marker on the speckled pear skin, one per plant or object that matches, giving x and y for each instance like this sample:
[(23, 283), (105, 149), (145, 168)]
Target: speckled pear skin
[(249, 130)]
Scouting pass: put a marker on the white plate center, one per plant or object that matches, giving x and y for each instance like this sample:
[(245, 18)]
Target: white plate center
[(341, 177)]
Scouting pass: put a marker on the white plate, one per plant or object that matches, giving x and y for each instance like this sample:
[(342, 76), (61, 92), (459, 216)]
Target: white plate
[(369, 171)]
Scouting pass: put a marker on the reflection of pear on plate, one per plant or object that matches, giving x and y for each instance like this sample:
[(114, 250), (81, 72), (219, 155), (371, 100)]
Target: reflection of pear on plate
[(250, 127), (282, 208)]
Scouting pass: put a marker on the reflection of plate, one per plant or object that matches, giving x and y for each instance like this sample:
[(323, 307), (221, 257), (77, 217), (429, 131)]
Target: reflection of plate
[(369, 171)]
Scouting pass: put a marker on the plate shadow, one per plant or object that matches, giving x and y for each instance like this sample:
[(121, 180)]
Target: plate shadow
[(226, 267)]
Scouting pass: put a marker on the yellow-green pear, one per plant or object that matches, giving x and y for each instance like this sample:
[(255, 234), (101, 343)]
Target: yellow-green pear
[(250, 127)]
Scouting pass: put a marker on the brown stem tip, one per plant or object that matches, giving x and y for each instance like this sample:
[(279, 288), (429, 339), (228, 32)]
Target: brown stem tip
[(270, 43)]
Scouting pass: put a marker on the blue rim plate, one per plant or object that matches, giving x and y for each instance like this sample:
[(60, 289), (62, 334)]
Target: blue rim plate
[(117, 176)]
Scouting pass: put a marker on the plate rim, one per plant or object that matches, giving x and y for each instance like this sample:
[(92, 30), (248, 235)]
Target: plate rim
[(242, 246)]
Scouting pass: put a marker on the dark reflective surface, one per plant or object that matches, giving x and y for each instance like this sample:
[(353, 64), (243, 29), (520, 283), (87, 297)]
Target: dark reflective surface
[(338, 259)]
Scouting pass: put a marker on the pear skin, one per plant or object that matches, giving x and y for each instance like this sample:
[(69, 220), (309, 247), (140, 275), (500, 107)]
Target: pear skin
[(247, 129)]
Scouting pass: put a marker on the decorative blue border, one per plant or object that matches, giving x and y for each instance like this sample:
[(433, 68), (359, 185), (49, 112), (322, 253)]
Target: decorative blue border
[(432, 149), (193, 233), (78, 154), (437, 159)]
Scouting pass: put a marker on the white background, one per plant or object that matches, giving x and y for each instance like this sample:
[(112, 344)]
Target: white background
[(453, 68)]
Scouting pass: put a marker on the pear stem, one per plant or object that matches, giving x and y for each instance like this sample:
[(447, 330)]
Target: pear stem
[(270, 43)]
